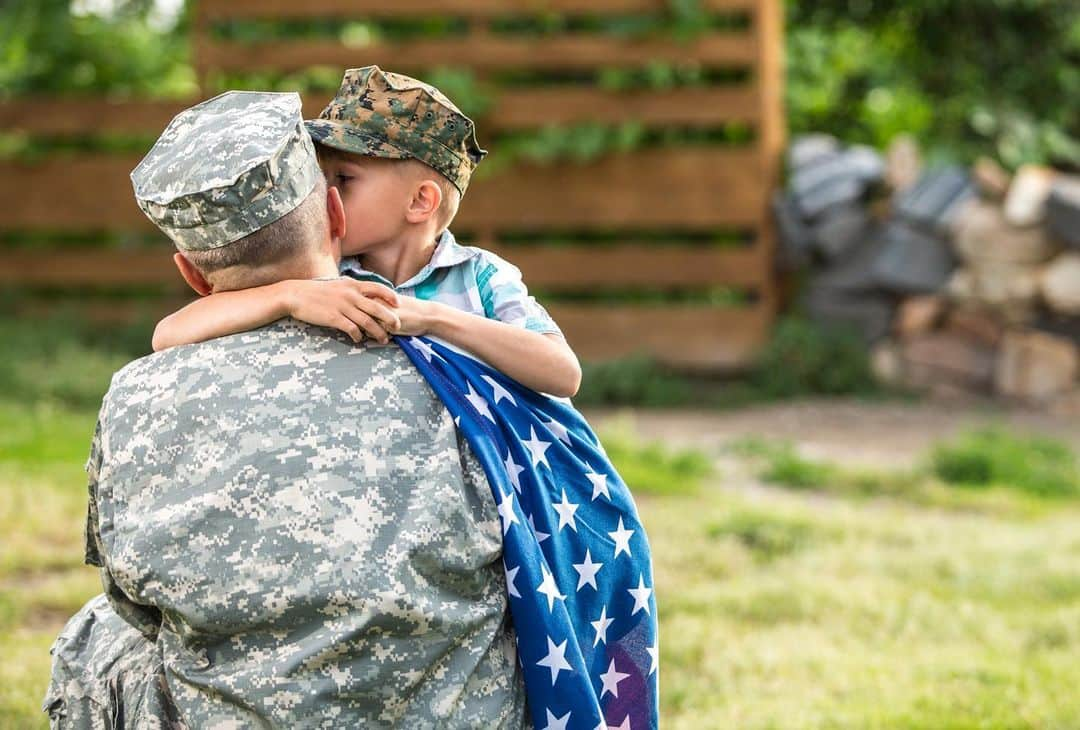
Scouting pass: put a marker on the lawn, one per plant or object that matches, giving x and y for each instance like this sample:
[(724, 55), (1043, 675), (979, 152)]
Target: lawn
[(781, 607)]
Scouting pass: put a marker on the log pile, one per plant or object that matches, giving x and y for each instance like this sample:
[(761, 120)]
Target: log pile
[(961, 281)]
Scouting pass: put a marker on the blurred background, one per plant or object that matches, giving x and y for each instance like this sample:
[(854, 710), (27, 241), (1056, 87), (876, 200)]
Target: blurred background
[(821, 260)]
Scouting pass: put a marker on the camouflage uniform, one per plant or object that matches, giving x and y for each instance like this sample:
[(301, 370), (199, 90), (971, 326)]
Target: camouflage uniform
[(290, 530), (379, 113)]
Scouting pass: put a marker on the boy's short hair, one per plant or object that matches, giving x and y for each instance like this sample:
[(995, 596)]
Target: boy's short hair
[(451, 196), (290, 235)]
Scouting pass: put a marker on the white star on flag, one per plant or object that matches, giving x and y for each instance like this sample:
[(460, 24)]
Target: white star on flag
[(624, 726), (559, 430), (537, 448), (500, 392), (549, 589), (621, 537), (601, 626), (587, 571), (611, 679), (566, 510), (506, 511), (479, 403), (540, 536), (425, 349), (556, 723), (654, 652), (512, 469), (641, 596), (555, 659), (599, 484), (511, 575)]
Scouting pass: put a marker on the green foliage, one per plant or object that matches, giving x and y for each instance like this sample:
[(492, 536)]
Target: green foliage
[(804, 359), (993, 456), (45, 49), (638, 381), (966, 77)]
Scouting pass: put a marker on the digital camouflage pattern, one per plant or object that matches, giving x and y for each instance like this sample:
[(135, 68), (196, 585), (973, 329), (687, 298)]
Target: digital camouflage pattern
[(106, 674), (226, 168), (297, 524), (379, 113)]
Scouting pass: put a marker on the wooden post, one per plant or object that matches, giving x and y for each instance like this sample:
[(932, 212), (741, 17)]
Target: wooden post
[(769, 31)]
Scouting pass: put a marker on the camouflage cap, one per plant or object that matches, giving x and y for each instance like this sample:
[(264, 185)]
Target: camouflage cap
[(378, 113), (226, 168)]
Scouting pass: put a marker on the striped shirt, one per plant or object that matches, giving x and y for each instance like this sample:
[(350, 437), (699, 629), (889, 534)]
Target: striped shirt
[(470, 279)]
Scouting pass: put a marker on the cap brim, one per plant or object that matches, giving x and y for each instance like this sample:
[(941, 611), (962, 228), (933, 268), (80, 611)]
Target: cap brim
[(344, 137)]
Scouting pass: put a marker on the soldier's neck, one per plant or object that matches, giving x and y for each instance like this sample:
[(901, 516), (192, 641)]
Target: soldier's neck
[(242, 277)]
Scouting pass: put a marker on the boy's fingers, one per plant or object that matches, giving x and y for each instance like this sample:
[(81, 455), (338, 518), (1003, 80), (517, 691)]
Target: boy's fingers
[(379, 311)]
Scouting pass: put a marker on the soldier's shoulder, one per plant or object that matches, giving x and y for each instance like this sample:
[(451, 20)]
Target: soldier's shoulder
[(286, 340)]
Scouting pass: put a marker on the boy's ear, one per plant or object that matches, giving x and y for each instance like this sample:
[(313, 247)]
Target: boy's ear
[(192, 276), (335, 210), (426, 199)]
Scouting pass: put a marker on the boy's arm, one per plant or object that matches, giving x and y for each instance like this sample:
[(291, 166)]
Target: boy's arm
[(543, 362), (354, 307)]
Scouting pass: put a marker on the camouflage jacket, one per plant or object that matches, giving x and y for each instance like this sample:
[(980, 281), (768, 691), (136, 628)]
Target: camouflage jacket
[(295, 523)]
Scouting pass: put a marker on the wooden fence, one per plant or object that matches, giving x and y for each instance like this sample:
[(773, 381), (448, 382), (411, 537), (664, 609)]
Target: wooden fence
[(688, 192)]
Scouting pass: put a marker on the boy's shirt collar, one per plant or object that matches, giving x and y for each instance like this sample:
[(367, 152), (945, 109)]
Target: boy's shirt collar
[(448, 252)]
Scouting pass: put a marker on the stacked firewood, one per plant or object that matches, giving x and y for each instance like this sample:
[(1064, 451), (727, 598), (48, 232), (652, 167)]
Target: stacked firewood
[(960, 281)]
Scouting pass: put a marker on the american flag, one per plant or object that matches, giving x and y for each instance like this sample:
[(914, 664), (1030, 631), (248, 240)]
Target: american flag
[(577, 562)]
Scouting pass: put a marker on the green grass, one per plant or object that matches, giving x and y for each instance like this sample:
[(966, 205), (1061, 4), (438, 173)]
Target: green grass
[(789, 612), (42, 515), (653, 468), (993, 456), (986, 469)]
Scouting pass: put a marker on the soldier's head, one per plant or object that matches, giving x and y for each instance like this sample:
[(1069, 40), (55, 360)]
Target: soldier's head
[(235, 183), (399, 151)]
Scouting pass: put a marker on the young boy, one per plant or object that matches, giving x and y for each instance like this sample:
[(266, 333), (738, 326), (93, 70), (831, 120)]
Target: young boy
[(401, 155)]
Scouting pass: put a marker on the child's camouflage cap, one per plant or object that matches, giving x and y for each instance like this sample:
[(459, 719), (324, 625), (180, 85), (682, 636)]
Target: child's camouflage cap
[(378, 113), (226, 168)]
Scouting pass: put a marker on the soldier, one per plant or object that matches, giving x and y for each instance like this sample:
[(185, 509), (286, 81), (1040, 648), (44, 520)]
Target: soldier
[(290, 531)]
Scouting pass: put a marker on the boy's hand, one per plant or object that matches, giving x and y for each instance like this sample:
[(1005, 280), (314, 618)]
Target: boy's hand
[(415, 316), (357, 308)]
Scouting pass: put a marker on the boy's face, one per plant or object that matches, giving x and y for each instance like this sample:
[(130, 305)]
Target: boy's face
[(375, 195)]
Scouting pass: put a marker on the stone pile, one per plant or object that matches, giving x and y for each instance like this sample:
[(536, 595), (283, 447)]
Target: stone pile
[(960, 280)]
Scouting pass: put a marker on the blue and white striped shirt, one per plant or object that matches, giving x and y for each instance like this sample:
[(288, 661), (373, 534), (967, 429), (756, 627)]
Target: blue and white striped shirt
[(470, 279)]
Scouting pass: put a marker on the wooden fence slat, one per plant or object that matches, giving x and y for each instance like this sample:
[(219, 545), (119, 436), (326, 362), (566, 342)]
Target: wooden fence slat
[(557, 269), (216, 10), (687, 187), (513, 109), (61, 116), (100, 267), (691, 107), (484, 53), (631, 266), (86, 192), (685, 336)]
